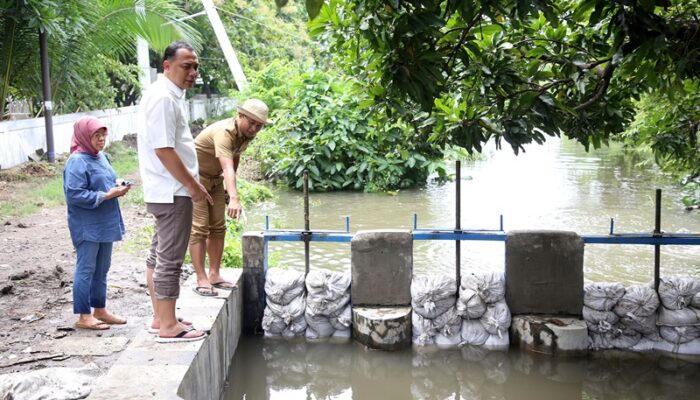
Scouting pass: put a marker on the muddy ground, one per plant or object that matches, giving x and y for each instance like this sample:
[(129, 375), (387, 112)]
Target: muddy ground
[(37, 263), (36, 278)]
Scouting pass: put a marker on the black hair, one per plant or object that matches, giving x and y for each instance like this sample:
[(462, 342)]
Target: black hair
[(171, 50)]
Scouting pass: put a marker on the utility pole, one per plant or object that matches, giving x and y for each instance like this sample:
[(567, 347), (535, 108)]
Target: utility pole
[(48, 104), (225, 44)]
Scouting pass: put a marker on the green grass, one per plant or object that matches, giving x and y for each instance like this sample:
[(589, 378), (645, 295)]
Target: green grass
[(32, 192)]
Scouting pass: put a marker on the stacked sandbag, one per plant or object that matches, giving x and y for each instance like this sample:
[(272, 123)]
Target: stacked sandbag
[(678, 319), (285, 303), (485, 315), (599, 299), (637, 312), (434, 317), (328, 311)]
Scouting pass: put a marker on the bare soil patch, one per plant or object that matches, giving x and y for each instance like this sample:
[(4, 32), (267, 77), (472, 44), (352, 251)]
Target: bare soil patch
[(37, 262)]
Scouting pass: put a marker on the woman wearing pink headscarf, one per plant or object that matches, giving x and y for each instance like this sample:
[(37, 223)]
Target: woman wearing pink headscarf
[(94, 221)]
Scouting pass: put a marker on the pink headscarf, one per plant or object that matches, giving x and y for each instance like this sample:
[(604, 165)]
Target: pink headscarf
[(83, 129)]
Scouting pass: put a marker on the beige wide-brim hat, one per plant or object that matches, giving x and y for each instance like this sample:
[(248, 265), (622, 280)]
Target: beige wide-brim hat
[(256, 110)]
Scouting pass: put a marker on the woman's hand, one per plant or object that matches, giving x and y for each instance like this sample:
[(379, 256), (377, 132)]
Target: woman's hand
[(117, 191)]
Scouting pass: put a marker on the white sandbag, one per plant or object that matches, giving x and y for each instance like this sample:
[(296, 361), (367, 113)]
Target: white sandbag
[(692, 347), (448, 323), (601, 341), (282, 286), (496, 319), (50, 383), (638, 300), (342, 333), (329, 285), (644, 325), (491, 287), (599, 321), (297, 326), (424, 330), (271, 323), (343, 319), (644, 344), (320, 324), (433, 295), (676, 292), (602, 296), (473, 333), (448, 341), (325, 306), (431, 309), (292, 310), (679, 334), (497, 342), (470, 305), (681, 317), (627, 338), (695, 301)]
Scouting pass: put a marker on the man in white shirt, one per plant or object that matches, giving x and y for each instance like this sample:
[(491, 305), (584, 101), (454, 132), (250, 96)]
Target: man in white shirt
[(168, 166)]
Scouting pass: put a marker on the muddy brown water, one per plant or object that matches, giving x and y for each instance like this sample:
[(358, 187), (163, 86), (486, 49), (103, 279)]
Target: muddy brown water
[(277, 369), (554, 186)]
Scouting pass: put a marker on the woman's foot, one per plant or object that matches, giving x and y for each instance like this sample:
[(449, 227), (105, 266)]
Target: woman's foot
[(88, 322), (109, 318), (155, 325)]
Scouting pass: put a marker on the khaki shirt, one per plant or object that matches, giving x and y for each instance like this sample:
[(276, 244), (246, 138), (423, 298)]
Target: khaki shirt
[(220, 139)]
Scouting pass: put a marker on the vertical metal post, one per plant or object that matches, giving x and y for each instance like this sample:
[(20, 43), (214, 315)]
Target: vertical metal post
[(458, 228), (306, 221), (48, 104), (657, 232)]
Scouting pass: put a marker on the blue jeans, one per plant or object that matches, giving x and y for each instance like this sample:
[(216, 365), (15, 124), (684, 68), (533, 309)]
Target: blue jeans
[(90, 279)]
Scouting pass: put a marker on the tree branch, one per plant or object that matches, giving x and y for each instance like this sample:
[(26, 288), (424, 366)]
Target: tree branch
[(605, 82)]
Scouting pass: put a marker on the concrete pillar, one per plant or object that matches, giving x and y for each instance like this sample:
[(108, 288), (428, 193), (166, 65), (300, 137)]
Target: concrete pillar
[(254, 268), (544, 272), (550, 335), (382, 328), (382, 267)]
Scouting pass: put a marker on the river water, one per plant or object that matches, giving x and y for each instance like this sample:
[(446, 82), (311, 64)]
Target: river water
[(557, 185), (554, 186), (283, 370)]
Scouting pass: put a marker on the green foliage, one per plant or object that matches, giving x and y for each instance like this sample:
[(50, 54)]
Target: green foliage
[(467, 72), (325, 130), (89, 44)]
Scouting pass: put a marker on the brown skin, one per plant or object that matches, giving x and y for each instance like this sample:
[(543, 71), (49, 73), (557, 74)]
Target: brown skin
[(98, 141), (214, 247), (182, 71)]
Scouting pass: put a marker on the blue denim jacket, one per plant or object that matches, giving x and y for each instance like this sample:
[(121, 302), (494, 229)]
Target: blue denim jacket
[(86, 181)]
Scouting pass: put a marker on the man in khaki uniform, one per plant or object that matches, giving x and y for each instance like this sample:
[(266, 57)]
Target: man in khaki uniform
[(219, 148)]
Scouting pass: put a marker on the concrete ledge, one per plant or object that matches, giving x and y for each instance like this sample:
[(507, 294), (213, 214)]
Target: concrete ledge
[(550, 335), (194, 370), (383, 328)]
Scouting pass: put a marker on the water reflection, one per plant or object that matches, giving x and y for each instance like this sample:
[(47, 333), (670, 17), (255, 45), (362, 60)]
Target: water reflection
[(279, 369), (554, 186)]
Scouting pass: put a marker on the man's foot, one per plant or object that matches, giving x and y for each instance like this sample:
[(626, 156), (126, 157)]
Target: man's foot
[(182, 336), (225, 285), (155, 325), (206, 291)]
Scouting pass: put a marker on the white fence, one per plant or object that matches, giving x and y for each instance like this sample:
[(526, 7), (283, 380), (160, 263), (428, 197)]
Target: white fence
[(20, 138)]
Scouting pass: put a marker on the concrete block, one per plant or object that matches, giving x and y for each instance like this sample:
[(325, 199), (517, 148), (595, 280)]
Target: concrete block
[(253, 281), (383, 328), (382, 267), (544, 272), (550, 335)]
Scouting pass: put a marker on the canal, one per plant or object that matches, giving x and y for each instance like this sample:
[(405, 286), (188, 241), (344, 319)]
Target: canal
[(277, 369), (554, 186)]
